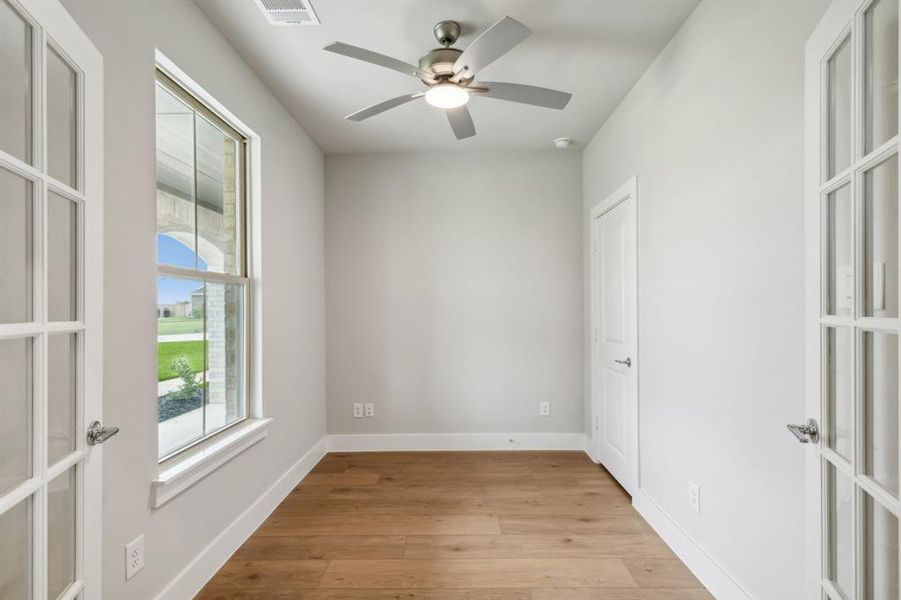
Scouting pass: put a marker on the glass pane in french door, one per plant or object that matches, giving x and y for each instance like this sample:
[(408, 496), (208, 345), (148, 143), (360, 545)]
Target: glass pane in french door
[(61, 395), (881, 76), (16, 551), (16, 248), (879, 355), (839, 390), (880, 538), (16, 410), (16, 84), (62, 258), (61, 505), (838, 153), (62, 119), (839, 247), (840, 530), (880, 240)]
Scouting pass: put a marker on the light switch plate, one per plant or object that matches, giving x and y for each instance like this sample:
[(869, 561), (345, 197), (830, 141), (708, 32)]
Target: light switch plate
[(370, 409), (544, 408), (358, 410), (694, 496), (134, 557)]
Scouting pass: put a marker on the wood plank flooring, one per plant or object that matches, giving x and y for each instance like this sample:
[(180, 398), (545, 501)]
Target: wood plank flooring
[(455, 526)]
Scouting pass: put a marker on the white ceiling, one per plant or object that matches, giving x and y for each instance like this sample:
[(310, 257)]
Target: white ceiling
[(595, 49)]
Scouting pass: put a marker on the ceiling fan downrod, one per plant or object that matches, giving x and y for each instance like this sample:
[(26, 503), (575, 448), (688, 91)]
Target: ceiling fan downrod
[(447, 33)]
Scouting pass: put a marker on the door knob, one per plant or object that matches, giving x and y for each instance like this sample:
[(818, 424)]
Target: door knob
[(808, 433), (627, 362), (97, 433)]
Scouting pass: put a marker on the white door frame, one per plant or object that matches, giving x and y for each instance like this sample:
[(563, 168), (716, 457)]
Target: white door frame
[(627, 192), (53, 24)]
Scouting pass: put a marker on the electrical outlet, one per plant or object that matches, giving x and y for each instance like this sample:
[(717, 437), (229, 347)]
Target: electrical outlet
[(358, 410), (694, 496), (544, 409), (370, 409), (134, 557)]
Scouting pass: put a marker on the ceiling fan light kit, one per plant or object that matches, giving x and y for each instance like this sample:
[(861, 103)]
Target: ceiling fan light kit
[(447, 95), (449, 74)]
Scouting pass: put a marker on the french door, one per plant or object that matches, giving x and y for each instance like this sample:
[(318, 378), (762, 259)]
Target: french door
[(853, 325), (50, 303)]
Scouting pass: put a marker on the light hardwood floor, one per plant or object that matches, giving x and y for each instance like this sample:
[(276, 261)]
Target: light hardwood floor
[(455, 526)]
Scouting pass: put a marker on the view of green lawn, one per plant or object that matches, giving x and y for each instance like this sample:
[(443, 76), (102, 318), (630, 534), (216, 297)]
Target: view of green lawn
[(169, 351), (173, 325)]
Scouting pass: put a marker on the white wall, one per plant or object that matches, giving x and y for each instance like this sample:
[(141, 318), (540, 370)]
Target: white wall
[(293, 300), (453, 288), (714, 132)]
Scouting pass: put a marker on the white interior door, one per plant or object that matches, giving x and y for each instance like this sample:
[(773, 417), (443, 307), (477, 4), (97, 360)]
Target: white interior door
[(614, 334), (50, 303), (852, 304)]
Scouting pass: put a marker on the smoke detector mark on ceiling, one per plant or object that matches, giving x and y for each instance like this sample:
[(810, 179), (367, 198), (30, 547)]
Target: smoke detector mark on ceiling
[(289, 12)]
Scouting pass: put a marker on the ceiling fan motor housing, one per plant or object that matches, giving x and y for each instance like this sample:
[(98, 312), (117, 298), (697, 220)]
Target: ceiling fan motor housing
[(440, 64)]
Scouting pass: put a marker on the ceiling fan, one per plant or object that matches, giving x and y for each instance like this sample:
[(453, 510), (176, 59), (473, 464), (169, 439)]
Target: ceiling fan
[(450, 73)]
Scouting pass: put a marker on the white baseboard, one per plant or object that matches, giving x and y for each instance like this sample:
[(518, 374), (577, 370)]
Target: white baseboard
[(200, 570), (455, 441), (717, 581)]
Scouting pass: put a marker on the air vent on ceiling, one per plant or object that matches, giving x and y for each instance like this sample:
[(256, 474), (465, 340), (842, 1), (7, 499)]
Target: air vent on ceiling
[(289, 12)]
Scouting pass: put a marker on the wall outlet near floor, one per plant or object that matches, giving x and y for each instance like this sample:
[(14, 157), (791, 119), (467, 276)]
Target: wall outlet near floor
[(370, 409), (134, 557), (694, 496), (544, 409), (358, 410)]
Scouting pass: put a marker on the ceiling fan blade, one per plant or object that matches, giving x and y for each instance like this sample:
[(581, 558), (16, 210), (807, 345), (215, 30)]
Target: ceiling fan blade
[(376, 59), (525, 94), (381, 107), (494, 42), (461, 122)]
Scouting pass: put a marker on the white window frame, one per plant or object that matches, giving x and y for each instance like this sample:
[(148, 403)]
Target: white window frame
[(188, 465), (242, 275)]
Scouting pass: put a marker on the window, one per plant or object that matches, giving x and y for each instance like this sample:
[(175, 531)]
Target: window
[(203, 284)]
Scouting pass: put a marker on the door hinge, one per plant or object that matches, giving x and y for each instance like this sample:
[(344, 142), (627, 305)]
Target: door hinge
[(594, 244), (595, 334)]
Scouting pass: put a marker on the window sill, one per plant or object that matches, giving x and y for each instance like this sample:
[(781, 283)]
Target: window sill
[(182, 473)]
